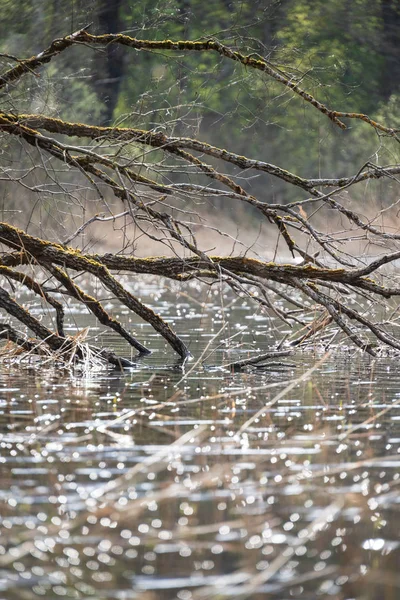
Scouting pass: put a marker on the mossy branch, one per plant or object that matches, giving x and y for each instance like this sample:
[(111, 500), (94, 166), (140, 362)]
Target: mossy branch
[(30, 65), (247, 271)]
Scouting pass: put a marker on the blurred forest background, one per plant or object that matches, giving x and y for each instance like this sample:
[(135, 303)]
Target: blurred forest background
[(345, 52)]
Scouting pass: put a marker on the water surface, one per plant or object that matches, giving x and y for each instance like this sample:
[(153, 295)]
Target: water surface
[(162, 482)]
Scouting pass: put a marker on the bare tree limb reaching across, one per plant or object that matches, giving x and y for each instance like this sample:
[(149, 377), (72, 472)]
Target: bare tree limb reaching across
[(158, 181)]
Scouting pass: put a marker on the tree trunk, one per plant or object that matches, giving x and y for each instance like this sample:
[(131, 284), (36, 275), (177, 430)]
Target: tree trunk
[(110, 72)]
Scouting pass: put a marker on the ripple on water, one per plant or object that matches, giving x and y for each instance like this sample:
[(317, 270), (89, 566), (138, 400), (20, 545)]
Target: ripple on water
[(117, 486)]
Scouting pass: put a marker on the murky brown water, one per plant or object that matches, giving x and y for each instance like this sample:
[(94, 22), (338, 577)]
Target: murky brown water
[(151, 485)]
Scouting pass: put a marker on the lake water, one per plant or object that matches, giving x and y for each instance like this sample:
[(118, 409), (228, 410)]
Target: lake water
[(198, 483)]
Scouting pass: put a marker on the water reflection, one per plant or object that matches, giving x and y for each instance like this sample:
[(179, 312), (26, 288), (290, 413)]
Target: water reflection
[(138, 486)]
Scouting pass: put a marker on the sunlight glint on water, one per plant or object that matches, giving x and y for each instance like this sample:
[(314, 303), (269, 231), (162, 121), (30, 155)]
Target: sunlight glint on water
[(133, 487)]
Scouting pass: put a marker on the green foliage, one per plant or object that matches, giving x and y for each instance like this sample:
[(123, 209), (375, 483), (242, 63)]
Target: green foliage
[(337, 50), (340, 43)]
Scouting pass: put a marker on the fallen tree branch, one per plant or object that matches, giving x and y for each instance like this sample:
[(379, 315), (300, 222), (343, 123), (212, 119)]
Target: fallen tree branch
[(156, 195), (52, 256), (256, 360)]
